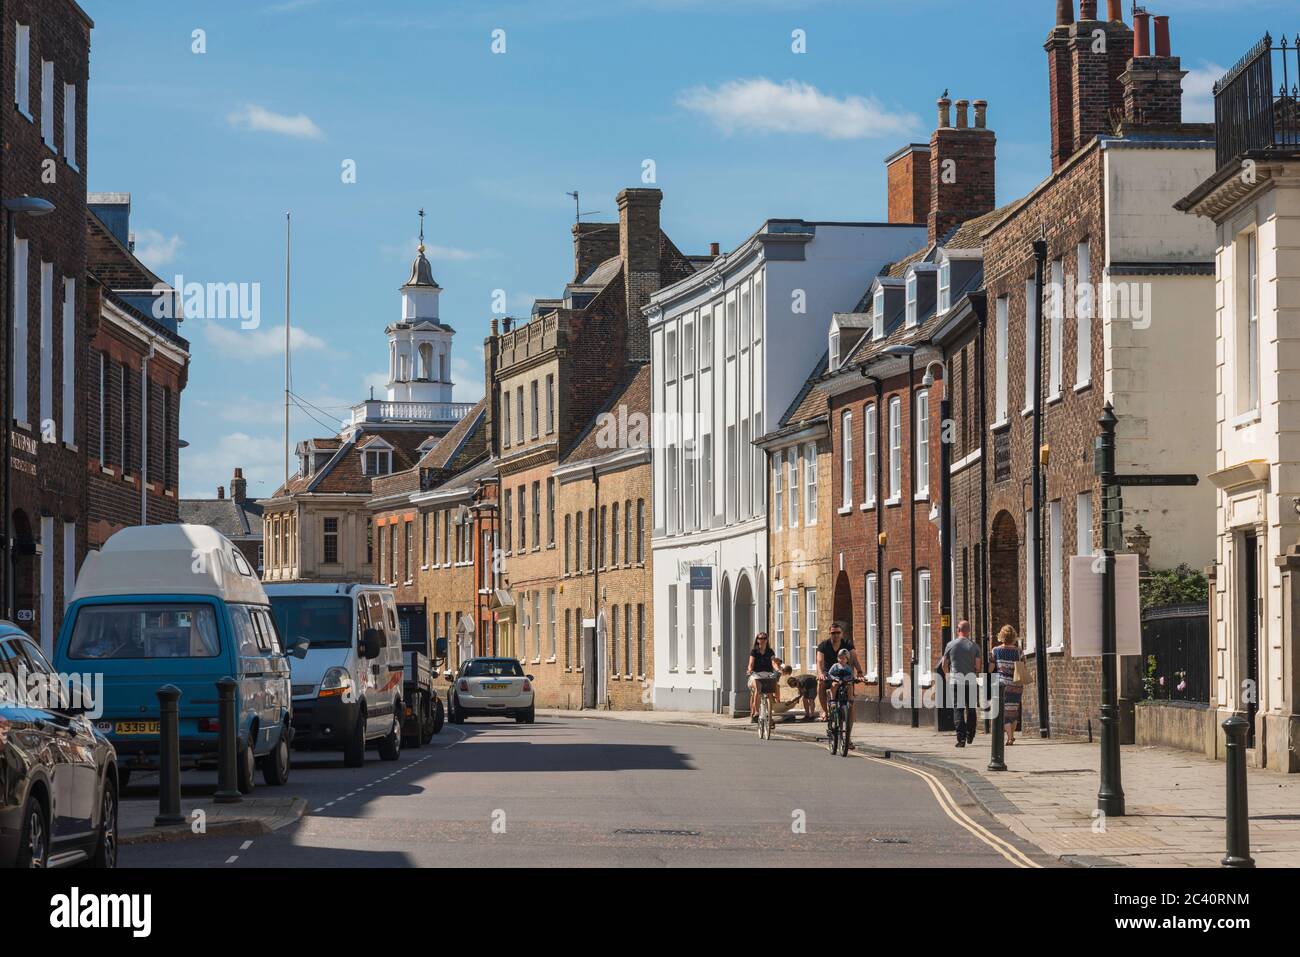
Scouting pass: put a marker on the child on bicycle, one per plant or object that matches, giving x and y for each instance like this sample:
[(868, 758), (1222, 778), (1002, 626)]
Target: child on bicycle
[(841, 673)]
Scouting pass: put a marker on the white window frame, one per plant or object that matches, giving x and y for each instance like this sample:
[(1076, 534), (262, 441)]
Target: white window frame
[(871, 464), (796, 634), (878, 315), (834, 349), (810, 483), (896, 626), (23, 69), (811, 625), (944, 297), (1031, 343), (912, 295), (924, 622), (796, 478), (873, 627), (1056, 332), (1001, 388), (22, 267), (921, 455), (1056, 575), (1083, 541), (46, 409), (70, 125), (672, 627), (778, 490), (895, 451), (1085, 303), (846, 459), (779, 599), (1031, 616), (47, 104), (69, 370)]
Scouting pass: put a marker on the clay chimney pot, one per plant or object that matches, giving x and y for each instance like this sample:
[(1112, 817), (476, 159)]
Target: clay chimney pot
[(963, 114)]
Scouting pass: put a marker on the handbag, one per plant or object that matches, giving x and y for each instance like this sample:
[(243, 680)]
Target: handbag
[(1021, 674)]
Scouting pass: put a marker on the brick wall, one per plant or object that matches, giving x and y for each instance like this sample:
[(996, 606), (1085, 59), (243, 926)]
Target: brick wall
[(908, 184)]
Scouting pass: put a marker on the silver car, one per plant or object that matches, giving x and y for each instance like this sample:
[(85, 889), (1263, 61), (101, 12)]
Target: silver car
[(487, 687)]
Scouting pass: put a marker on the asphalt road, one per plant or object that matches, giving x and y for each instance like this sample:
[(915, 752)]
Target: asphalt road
[(592, 792)]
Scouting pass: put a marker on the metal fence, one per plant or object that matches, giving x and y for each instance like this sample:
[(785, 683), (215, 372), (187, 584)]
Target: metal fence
[(1177, 637), (1255, 104)]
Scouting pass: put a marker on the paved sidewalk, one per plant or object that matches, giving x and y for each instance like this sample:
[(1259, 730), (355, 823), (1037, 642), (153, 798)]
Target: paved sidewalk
[(1175, 799), (250, 817)]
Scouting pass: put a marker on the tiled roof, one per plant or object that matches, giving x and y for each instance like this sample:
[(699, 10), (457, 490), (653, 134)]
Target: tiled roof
[(465, 442), (632, 394), (235, 520), (342, 474)]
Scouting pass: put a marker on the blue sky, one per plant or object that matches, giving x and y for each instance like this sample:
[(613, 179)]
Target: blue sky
[(216, 147)]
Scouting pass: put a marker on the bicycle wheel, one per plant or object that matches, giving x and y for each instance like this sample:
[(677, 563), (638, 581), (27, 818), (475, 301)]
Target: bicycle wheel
[(844, 744), (765, 719), (833, 732)]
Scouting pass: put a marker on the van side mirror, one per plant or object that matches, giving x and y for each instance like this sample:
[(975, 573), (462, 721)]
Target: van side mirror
[(440, 649), (447, 675), (372, 644), (299, 648)]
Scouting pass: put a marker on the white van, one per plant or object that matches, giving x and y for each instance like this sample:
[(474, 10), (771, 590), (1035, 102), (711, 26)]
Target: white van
[(347, 688)]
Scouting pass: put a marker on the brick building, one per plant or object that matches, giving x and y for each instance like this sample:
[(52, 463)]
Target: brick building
[(883, 389), (45, 59), (237, 517), (574, 491), (1127, 319), (137, 368), (800, 559)]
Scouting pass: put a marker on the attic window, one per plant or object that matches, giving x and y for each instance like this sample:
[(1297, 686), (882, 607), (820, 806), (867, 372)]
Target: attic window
[(945, 286), (835, 349), (878, 315), (911, 300), (379, 462)]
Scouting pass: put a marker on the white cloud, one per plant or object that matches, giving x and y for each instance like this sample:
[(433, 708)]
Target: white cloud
[(1198, 92), (204, 467), (761, 106), (261, 120), (156, 250), (262, 343)]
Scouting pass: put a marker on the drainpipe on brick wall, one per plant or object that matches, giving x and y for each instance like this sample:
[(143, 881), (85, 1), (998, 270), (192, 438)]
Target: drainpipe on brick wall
[(880, 549), (144, 435), (985, 637), (911, 522), (599, 534), (1036, 476)]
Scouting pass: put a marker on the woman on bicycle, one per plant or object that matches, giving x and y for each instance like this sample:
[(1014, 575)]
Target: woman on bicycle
[(762, 660)]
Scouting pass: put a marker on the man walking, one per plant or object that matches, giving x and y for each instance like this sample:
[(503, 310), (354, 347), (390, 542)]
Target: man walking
[(961, 662)]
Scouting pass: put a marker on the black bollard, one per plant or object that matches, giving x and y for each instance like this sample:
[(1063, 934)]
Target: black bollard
[(1238, 816), (227, 744), (169, 758), (998, 754)]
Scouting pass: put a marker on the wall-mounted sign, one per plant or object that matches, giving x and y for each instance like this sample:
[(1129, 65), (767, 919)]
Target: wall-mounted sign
[(26, 614), (702, 578)]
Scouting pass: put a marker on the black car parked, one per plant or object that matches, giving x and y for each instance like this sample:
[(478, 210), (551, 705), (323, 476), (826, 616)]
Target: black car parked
[(58, 774)]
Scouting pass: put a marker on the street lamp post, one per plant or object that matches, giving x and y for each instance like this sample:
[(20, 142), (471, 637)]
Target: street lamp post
[(1110, 796), (18, 206)]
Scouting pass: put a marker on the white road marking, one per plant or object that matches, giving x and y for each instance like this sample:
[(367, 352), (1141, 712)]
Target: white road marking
[(246, 845), (232, 858)]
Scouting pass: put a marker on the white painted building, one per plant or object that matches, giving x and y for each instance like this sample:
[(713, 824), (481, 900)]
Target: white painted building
[(1254, 202), (731, 346)]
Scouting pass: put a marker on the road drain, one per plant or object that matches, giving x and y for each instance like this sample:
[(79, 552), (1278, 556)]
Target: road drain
[(643, 831)]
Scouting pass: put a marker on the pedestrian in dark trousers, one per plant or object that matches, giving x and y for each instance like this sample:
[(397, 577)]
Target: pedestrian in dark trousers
[(961, 662)]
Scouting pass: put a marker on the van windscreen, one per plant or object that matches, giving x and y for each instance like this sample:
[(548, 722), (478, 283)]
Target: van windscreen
[(324, 621), (104, 632)]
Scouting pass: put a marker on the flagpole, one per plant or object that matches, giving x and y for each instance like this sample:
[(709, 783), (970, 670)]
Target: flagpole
[(288, 258)]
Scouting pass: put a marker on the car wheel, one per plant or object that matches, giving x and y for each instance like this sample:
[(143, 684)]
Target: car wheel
[(530, 716), (390, 749), (106, 848), (275, 766), (456, 716), (34, 840), (354, 750), (247, 769), (123, 780), (439, 714), (420, 718)]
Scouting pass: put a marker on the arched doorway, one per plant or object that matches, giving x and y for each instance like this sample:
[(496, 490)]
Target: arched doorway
[(1004, 574), (842, 610), (724, 682), (742, 641)]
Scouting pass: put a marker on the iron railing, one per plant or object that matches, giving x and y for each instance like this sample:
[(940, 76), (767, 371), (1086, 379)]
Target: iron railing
[(1255, 104), (1176, 639)]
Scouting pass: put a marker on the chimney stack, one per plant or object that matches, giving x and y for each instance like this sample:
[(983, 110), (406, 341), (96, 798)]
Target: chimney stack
[(907, 175), (962, 173), (1153, 82), (593, 243), (1087, 10), (945, 112), (981, 114), (640, 244), (1085, 90), (239, 487), (1115, 11), (1064, 12), (715, 250), (221, 493)]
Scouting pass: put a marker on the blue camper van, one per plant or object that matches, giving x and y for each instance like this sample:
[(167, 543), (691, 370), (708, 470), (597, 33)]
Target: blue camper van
[(179, 605)]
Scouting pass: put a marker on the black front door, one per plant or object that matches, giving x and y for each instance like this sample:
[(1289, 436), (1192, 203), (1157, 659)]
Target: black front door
[(1250, 608)]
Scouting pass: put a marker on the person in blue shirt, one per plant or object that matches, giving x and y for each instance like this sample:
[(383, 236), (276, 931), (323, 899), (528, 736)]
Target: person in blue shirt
[(842, 673)]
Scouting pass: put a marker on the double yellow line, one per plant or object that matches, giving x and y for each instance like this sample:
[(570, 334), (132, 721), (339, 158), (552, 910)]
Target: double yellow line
[(949, 807)]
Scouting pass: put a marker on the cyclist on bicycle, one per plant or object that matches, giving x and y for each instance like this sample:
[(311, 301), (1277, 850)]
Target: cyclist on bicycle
[(762, 660), (841, 674), (828, 653)]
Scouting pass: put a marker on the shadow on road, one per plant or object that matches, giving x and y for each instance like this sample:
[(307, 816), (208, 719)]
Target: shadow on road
[(486, 756)]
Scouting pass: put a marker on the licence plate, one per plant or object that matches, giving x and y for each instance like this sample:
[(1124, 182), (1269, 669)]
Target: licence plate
[(136, 727), (497, 686)]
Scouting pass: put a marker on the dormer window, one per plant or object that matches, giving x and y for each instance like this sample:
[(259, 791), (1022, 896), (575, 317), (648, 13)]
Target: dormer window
[(911, 300), (378, 462), (878, 315), (835, 349), (945, 286)]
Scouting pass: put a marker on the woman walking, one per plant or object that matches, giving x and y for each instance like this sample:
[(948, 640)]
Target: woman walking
[(1005, 657)]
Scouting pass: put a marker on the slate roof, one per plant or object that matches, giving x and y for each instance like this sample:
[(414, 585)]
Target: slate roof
[(342, 474), (632, 394), (463, 444), (236, 520)]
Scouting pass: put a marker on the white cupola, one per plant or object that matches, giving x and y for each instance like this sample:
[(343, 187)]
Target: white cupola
[(419, 346)]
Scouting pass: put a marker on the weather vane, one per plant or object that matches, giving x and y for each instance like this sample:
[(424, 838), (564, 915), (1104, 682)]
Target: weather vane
[(421, 230)]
